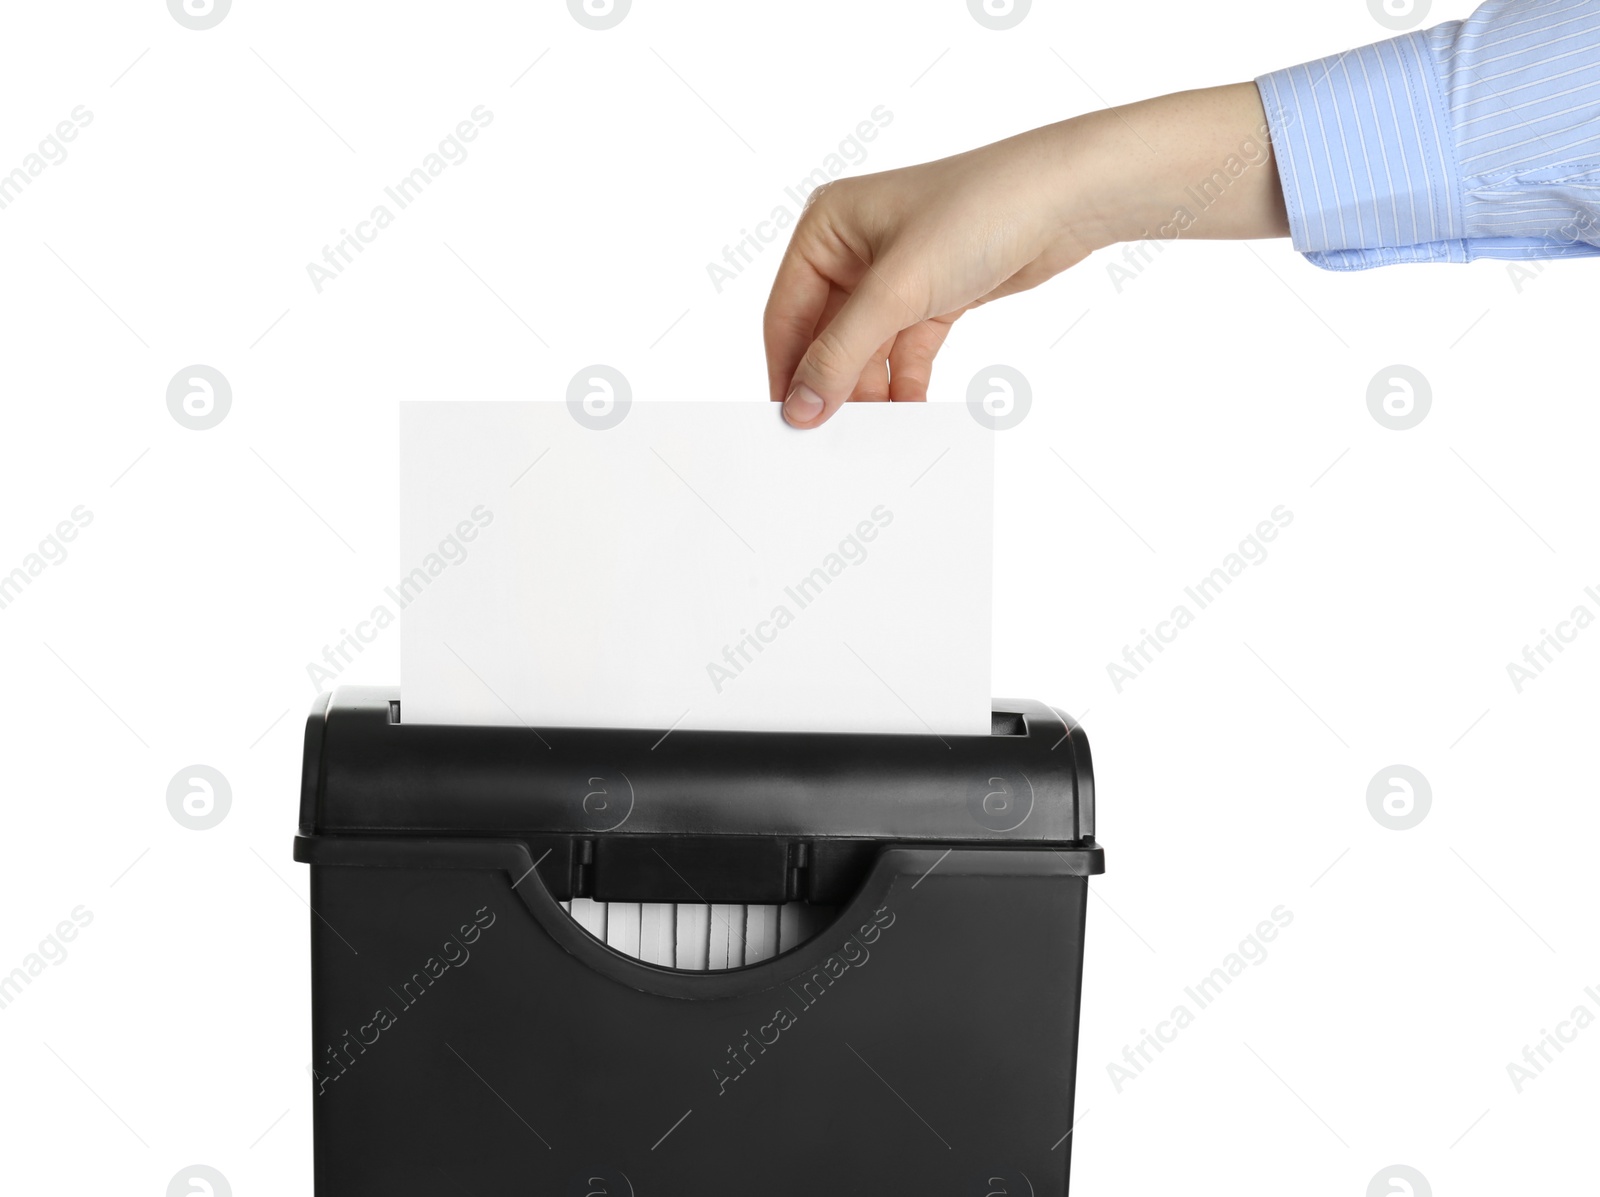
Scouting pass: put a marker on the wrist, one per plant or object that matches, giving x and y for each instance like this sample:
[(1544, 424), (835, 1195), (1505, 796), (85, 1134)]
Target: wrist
[(1115, 185)]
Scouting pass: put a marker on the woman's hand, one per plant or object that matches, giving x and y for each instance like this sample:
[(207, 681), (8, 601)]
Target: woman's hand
[(880, 266)]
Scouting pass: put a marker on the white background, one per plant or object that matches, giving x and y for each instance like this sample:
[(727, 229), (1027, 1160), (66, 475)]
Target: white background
[(1223, 381)]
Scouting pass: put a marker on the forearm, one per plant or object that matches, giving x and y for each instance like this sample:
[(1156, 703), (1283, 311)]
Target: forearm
[(1195, 164), (880, 265)]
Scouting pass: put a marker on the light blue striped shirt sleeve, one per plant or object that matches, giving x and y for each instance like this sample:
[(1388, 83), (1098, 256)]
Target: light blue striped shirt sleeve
[(1473, 139)]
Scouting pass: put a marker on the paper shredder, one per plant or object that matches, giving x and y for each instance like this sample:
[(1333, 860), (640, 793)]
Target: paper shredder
[(469, 1036)]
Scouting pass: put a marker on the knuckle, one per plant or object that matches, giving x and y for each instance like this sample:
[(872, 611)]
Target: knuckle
[(827, 196)]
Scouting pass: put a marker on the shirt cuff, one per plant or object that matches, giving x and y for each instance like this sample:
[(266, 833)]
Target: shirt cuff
[(1366, 159)]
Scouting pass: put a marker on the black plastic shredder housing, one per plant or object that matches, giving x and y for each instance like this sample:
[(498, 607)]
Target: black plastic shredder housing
[(470, 1037)]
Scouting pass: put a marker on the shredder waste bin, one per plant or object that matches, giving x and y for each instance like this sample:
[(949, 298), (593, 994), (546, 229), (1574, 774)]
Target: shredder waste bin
[(470, 1036)]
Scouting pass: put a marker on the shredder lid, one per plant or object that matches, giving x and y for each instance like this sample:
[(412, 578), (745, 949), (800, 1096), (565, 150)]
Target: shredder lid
[(368, 771)]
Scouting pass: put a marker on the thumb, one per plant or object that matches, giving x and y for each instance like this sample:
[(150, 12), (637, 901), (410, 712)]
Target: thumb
[(828, 373)]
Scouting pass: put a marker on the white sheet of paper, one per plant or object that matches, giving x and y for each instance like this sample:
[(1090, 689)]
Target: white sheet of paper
[(696, 565)]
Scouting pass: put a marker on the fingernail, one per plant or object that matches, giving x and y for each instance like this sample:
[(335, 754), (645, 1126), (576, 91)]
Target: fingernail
[(802, 406)]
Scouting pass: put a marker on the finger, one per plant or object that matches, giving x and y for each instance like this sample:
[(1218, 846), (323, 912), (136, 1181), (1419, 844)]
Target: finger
[(794, 311), (837, 296), (873, 386), (818, 271), (831, 366), (911, 359)]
